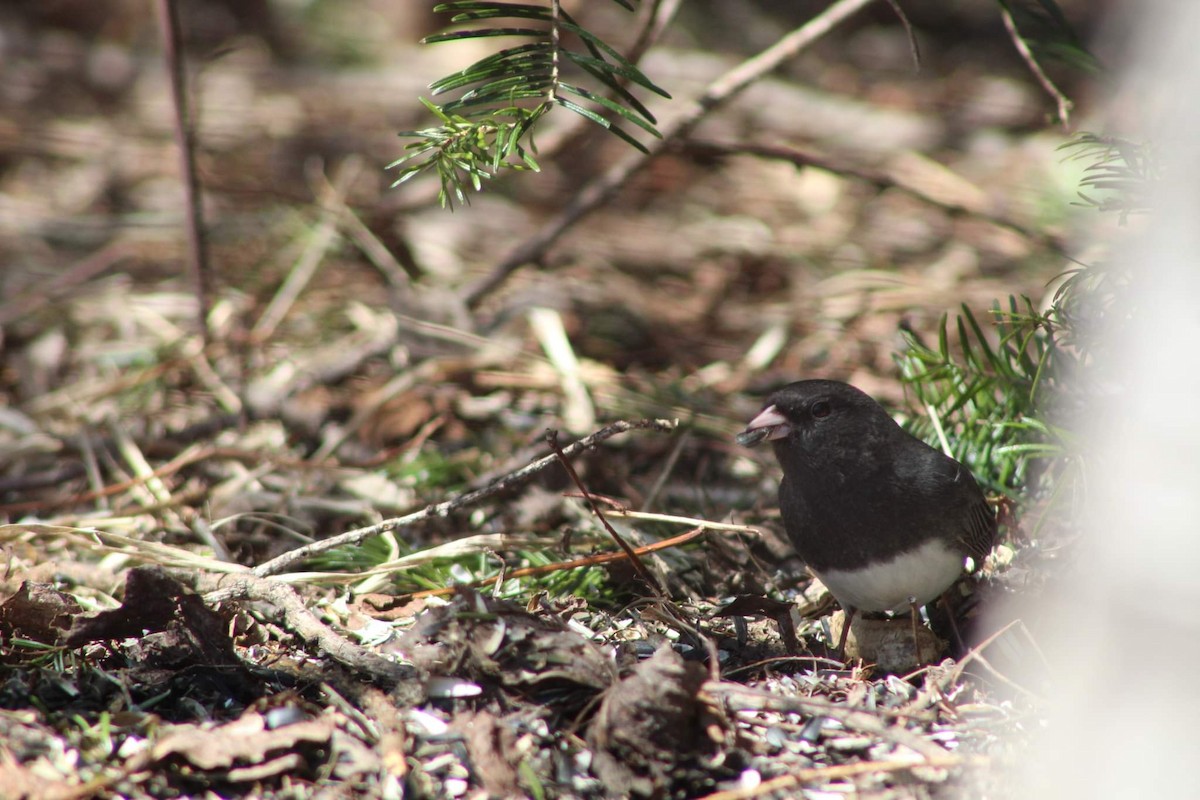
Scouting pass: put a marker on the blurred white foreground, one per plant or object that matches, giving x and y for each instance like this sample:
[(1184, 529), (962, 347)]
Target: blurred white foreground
[(1124, 632)]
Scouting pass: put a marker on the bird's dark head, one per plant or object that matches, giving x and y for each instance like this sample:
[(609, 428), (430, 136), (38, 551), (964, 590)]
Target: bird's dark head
[(818, 415)]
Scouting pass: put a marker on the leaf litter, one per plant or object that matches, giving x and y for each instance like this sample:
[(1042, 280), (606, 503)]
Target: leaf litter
[(497, 643)]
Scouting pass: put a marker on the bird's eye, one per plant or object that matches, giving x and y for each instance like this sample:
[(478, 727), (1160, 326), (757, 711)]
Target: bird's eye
[(821, 408)]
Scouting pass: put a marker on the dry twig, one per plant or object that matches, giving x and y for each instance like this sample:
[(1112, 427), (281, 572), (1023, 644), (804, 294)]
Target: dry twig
[(881, 178), (185, 140), (814, 775), (445, 508), (601, 189), (1061, 101), (638, 566), (304, 623)]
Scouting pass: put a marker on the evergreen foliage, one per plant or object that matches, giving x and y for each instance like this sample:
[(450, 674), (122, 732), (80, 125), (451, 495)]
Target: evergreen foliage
[(488, 126)]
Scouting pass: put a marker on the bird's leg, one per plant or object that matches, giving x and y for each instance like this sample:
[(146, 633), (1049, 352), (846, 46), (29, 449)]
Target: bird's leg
[(916, 619), (958, 639), (841, 649)]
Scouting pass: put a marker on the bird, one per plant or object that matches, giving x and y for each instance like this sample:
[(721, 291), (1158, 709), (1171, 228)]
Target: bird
[(885, 521)]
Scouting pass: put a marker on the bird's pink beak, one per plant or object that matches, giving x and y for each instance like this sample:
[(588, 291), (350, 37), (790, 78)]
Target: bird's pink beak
[(768, 425)]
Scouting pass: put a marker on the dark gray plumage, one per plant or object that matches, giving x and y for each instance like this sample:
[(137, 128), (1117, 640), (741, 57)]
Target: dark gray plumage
[(884, 520)]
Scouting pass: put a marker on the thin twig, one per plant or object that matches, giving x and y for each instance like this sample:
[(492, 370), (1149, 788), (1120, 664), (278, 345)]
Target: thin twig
[(913, 47), (766, 662), (976, 654), (555, 47), (146, 483), (438, 510), (545, 569), (603, 187), (105, 542), (863, 720), (638, 566), (1061, 100), (189, 456), (813, 775), (672, 518), (665, 473), (185, 140), (880, 178)]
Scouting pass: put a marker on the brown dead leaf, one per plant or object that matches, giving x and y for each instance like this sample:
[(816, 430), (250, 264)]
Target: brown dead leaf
[(386, 608), (493, 750), (398, 418), (156, 602), (39, 612), (649, 724), (243, 743)]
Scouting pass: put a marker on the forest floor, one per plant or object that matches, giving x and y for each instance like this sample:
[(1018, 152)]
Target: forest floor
[(479, 630)]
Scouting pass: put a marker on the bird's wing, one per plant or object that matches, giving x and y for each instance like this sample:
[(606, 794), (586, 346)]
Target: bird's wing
[(980, 532)]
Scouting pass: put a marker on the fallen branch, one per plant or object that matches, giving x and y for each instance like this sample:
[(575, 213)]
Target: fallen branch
[(304, 623), (602, 188), (882, 178), (439, 510)]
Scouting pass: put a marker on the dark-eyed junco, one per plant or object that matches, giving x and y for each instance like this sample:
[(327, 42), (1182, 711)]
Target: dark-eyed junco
[(883, 519)]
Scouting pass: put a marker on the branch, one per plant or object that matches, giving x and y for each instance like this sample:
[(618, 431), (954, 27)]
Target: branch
[(602, 188), (881, 178), (304, 623), (638, 567), (447, 507), (1061, 101), (185, 140)]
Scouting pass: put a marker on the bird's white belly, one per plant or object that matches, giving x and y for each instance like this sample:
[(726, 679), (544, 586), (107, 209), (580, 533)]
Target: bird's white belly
[(916, 576)]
